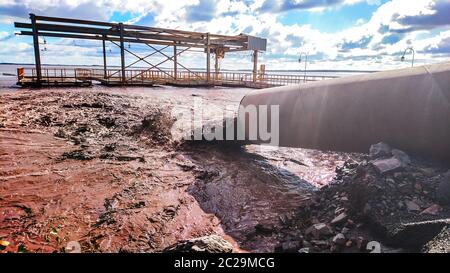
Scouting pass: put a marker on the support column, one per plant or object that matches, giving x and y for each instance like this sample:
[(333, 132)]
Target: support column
[(104, 57), (255, 65), (208, 55), (122, 52), (175, 62), (37, 54), (216, 67)]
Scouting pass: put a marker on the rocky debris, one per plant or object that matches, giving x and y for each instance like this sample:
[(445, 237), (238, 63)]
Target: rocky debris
[(108, 122), (110, 147), (401, 156), (339, 239), (60, 133), (77, 154), (443, 191), (434, 209), (319, 230), (206, 174), (380, 149), (156, 127), (206, 244), (440, 243), (265, 229), (387, 165), (303, 250), (339, 219), (95, 104), (386, 159), (412, 206), (46, 120), (387, 196), (290, 246)]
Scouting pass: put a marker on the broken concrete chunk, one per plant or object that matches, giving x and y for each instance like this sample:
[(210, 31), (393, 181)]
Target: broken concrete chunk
[(341, 218), (402, 156), (384, 166), (206, 244), (318, 230), (339, 239), (304, 250), (288, 247), (434, 209), (380, 149), (412, 206)]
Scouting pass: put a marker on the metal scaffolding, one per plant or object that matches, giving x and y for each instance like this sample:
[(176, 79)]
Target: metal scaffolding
[(120, 33)]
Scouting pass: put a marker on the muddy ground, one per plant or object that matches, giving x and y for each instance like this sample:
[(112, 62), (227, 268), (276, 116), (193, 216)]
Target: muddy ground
[(106, 167)]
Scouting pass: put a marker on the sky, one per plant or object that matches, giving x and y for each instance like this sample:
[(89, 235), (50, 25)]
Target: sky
[(336, 34)]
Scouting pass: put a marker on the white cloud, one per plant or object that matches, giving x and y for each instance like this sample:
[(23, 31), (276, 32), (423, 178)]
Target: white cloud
[(371, 44)]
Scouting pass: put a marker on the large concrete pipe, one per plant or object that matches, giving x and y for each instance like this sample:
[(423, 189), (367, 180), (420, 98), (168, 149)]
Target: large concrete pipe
[(407, 108)]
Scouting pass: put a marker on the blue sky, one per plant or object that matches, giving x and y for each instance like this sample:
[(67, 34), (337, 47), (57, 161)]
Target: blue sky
[(337, 34)]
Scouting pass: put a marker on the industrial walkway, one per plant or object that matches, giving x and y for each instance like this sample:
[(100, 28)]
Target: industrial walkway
[(150, 77)]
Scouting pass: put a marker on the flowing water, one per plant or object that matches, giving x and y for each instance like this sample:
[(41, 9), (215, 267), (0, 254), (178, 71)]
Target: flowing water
[(170, 192)]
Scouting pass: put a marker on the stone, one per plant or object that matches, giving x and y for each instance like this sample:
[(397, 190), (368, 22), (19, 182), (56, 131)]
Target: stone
[(318, 230), (361, 243), (290, 247), (402, 156), (265, 229), (443, 190), (412, 206), (350, 223), (206, 244), (304, 250), (434, 209), (380, 149), (339, 219), (339, 239), (320, 243), (388, 165), (339, 210), (345, 230)]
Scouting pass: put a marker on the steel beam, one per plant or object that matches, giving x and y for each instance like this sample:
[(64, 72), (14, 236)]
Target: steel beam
[(255, 64), (104, 57), (216, 66), (208, 54), (175, 62), (73, 21), (98, 37), (122, 52), (37, 54)]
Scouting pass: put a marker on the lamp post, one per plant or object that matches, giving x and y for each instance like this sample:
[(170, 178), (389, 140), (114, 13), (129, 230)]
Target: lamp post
[(413, 54), (306, 62)]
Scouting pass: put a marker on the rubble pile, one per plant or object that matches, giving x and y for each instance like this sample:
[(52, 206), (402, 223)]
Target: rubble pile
[(103, 125), (387, 197), (155, 127), (206, 244)]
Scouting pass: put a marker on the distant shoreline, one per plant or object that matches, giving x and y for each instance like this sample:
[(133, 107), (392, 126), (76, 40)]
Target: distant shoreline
[(201, 69)]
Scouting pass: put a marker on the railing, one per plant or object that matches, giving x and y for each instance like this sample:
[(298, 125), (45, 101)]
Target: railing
[(133, 76)]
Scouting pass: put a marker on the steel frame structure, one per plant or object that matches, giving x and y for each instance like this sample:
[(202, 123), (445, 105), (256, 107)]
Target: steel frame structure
[(120, 33)]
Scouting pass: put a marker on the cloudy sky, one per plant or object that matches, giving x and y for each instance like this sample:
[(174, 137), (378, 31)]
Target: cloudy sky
[(337, 34)]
